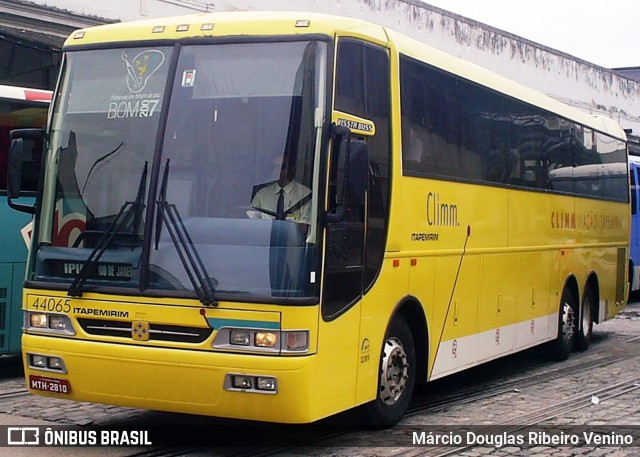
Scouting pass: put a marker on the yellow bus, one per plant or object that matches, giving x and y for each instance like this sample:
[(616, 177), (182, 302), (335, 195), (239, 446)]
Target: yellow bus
[(282, 216)]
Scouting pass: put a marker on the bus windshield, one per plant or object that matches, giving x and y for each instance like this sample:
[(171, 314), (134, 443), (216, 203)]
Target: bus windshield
[(185, 172)]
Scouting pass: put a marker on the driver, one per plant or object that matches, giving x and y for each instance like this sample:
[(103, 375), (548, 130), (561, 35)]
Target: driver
[(282, 199)]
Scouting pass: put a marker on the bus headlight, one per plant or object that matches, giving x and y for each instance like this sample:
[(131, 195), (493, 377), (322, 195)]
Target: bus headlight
[(37, 320), (46, 363), (251, 383), (240, 337), (59, 322), (262, 340), (267, 383), (266, 339), (45, 322), (242, 382), (38, 361)]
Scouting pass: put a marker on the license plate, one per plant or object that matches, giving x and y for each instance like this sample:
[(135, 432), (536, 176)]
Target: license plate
[(46, 384)]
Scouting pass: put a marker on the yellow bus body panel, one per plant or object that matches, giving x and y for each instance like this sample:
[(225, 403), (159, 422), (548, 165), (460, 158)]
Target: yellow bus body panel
[(189, 378), (498, 290)]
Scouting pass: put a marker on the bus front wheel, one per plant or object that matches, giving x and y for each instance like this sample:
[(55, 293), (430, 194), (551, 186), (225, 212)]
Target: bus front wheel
[(396, 376)]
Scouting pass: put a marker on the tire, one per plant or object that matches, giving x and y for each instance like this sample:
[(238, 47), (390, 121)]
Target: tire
[(560, 348), (396, 377), (585, 326)]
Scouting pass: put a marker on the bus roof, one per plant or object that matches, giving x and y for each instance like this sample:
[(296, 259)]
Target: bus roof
[(224, 24), (488, 78), (263, 23), (25, 93)]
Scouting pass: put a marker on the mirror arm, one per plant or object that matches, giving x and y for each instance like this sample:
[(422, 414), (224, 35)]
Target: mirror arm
[(22, 208)]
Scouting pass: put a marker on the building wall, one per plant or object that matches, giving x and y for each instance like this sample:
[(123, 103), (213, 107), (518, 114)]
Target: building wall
[(587, 86)]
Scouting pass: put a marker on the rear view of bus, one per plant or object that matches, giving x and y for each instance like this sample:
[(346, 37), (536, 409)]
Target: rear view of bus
[(19, 108)]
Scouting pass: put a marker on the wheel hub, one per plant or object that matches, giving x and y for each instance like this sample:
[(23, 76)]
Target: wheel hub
[(567, 322), (395, 372)]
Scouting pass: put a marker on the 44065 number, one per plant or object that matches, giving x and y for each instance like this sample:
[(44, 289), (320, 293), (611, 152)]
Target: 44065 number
[(51, 304)]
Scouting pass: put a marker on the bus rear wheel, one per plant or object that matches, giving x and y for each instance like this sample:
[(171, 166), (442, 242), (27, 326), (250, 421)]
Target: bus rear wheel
[(560, 348), (585, 329), (396, 376)]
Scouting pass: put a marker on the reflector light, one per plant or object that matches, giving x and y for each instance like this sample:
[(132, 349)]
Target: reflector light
[(297, 341)]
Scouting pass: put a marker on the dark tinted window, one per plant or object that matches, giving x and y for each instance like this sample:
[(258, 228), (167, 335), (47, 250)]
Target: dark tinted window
[(454, 128)]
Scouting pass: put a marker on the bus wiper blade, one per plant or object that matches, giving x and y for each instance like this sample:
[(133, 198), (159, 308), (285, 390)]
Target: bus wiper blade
[(162, 198), (191, 261), (188, 254), (127, 211)]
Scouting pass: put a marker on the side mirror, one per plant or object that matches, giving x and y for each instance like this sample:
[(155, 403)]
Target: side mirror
[(349, 173), (14, 165)]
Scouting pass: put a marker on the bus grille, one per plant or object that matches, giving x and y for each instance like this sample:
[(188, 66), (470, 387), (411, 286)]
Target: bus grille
[(157, 332)]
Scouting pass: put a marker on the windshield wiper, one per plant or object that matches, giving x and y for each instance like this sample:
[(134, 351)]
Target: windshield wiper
[(127, 211), (191, 261)]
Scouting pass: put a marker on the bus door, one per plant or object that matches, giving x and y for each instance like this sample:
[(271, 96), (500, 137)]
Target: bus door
[(356, 243)]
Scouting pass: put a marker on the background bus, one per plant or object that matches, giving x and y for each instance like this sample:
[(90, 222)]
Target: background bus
[(634, 240), (440, 219), (19, 108)]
